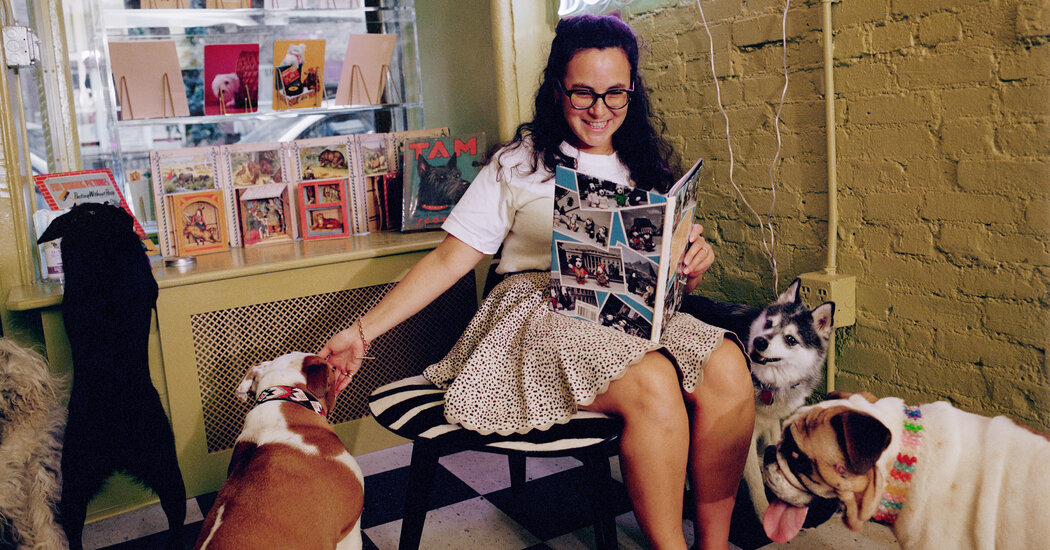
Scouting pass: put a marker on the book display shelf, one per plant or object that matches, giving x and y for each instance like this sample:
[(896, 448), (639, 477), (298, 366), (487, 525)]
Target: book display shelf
[(241, 306), (127, 105)]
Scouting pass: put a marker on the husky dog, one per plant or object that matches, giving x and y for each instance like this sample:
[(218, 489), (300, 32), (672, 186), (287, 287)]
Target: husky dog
[(786, 342)]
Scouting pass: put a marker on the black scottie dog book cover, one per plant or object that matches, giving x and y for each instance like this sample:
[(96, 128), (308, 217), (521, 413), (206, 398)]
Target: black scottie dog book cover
[(437, 172)]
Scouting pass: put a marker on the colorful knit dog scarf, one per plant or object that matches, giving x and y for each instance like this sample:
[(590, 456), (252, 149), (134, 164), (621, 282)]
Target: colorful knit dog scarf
[(293, 394), (896, 490)]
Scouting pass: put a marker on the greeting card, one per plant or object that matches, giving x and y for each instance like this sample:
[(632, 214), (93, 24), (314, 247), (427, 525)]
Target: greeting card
[(231, 77), (298, 74)]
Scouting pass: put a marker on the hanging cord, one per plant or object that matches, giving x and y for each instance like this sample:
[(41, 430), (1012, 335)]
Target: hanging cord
[(769, 244)]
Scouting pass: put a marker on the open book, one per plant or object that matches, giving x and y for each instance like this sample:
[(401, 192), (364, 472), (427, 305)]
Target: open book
[(616, 250)]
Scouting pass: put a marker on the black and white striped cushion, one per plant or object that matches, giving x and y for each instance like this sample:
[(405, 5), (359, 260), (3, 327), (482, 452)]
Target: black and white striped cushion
[(415, 409)]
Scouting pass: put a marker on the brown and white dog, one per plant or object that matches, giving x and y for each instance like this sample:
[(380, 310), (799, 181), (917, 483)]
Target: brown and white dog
[(291, 483), (939, 476)]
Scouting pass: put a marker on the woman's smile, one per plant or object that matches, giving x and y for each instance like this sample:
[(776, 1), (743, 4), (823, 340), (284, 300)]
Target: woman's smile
[(596, 71)]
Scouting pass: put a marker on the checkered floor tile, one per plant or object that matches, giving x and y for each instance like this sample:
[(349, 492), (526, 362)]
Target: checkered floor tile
[(473, 506)]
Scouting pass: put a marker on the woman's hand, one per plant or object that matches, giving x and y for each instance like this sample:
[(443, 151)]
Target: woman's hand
[(432, 275), (698, 258), (344, 353)]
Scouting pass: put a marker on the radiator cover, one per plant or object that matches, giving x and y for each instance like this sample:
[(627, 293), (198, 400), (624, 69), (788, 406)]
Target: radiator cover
[(227, 342)]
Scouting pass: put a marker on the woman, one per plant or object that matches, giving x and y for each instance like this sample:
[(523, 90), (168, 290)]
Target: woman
[(518, 366)]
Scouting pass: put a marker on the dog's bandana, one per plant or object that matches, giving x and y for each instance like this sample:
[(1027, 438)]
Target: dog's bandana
[(293, 394), (896, 490)]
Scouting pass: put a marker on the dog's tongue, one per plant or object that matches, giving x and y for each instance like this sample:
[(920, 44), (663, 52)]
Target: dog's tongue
[(783, 521)]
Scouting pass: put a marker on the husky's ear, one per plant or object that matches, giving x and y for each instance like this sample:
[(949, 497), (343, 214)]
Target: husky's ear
[(791, 295), (824, 319)]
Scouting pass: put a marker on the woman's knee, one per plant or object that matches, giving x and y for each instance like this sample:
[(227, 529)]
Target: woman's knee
[(727, 373), (651, 388)]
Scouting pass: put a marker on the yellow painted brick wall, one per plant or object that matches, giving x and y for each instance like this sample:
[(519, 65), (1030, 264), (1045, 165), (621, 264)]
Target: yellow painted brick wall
[(944, 178)]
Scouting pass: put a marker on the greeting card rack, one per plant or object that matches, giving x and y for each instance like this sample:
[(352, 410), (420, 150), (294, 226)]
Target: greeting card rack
[(110, 139)]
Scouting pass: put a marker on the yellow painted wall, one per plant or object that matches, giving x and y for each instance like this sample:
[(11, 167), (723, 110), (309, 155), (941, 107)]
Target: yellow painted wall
[(943, 168), (25, 329), (943, 175), (458, 65)]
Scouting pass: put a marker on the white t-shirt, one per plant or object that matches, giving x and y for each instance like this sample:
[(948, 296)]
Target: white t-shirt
[(505, 205)]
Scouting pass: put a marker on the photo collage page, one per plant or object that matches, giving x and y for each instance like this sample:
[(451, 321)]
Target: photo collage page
[(605, 256)]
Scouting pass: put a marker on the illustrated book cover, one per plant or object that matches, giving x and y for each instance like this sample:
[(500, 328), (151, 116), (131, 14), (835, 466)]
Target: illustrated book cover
[(436, 173), (248, 165), (391, 188), (64, 190), (175, 171), (231, 75), (298, 74), (616, 250), (320, 158), (324, 211), (373, 164), (199, 222), (326, 158), (265, 214), (245, 164)]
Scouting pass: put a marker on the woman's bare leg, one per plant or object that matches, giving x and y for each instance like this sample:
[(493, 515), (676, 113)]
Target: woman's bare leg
[(722, 418), (653, 446)]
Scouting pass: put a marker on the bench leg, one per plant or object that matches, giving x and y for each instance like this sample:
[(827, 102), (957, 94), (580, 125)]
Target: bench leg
[(599, 474), (417, 494)]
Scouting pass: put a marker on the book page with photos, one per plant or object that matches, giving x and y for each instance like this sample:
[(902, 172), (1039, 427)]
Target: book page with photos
[(615, 250)]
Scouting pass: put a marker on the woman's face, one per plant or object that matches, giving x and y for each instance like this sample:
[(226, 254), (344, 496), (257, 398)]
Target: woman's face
[(597, 71)]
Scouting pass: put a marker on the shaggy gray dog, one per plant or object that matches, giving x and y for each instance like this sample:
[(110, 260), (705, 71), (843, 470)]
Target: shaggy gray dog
[(32, 419)]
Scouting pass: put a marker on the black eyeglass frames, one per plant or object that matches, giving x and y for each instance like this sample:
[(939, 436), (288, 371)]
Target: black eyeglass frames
[(615, 99)]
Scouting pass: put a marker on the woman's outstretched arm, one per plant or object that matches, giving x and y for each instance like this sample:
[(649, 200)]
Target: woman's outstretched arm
[(429, 278)]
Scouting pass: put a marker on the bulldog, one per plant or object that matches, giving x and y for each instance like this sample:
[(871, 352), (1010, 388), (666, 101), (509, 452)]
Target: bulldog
[(938, 476), (291, 481)]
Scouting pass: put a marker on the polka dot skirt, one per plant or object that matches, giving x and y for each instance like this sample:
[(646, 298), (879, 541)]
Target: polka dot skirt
[(520, 366)]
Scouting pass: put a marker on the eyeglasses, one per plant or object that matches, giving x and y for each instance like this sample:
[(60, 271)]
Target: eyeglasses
[(615, 99)]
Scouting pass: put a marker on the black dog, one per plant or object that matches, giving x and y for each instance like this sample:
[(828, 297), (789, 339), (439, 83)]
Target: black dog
[(440, 186), (116, 421)]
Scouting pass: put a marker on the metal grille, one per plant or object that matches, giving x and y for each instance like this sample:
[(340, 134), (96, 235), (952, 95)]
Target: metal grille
[(227, 342)]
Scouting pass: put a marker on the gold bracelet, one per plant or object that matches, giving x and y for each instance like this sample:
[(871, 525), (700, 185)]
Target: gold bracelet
[(364, 341)]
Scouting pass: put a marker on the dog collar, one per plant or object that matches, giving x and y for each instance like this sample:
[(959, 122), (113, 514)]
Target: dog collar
[(766, 393), (293, 394), (896, 490)]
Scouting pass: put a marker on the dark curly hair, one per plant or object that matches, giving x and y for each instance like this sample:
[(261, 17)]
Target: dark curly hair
[(651, 160)]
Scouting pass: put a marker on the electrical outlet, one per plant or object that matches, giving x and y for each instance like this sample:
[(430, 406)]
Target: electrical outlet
[(819, 287)]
